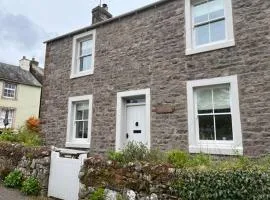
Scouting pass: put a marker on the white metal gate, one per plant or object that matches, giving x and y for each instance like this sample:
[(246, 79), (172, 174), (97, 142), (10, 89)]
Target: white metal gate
[(64, 171)]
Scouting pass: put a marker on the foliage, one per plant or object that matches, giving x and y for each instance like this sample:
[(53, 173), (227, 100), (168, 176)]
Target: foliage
[(31, 186), (14, 179), (181, 159), (23, 136), (136, 152), (220, 184), (98, 194), (33, 124)]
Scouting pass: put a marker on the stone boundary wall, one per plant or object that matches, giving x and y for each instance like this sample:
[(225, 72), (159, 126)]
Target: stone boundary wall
[(31, 161), (133, 181)]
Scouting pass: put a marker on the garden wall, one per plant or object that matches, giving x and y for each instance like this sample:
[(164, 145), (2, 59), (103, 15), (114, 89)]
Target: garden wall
[(148, 181), (31, 161)]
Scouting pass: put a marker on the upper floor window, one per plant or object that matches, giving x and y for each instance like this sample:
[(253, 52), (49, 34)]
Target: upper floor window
[(83, 54), (209, 25), (9, 90)]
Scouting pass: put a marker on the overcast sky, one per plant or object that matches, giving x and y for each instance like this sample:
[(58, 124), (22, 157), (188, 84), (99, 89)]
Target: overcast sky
[(25, 24)]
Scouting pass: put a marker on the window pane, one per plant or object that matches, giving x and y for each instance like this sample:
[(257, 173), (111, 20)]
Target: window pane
[(216, 9), (85, 63), (222, 99), (86, 47), (200, 13), (85, 114), (204, 101), (85, 132), (217, 31), (206, 127), (224, 127), (81, 109), (202, 34), (79, 114), (79, 129)]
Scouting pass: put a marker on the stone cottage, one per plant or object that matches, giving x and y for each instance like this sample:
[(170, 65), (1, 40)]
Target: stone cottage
[(176, 74)]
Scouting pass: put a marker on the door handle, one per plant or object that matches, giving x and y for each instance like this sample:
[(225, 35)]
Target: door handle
[(127, 135)]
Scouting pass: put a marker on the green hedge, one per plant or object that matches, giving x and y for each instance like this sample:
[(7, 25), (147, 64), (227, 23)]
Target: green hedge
[(225, 185)]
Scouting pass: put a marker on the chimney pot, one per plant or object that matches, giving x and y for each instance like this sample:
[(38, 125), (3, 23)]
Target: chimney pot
[(105, 6), (100, 13)]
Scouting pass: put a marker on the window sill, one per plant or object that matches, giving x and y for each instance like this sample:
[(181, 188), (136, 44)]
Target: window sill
[(217, 149), (78, 145), (210, 47), (82, 74)]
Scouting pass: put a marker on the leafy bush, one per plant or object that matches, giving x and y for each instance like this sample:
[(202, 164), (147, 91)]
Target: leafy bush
[(136, 152), (98, 195), (14, 179), (178, 158), (33, 124), (24, 136), (31, 186), (218, 184)]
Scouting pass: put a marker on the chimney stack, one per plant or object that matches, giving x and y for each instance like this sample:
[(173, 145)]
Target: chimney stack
[(24, 63), (100, 14)]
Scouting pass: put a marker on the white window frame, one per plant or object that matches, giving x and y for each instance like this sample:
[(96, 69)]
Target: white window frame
[(71, 141), (120, 115), (76, 54), (5, 88), (12, 118), (190, 39), (234, 147)]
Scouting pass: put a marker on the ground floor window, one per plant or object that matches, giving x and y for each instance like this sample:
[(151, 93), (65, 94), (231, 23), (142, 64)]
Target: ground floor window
[(79, 121), (214, 119), (6, 117)]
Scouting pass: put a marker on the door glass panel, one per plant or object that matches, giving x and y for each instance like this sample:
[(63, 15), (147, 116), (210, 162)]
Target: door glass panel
[(206, 127), (224, 127)]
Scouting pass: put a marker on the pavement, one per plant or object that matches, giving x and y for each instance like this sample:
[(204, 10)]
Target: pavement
[(10, 194)]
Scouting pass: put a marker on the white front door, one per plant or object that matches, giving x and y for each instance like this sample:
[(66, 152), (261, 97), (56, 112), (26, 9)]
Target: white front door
[(135, 123)]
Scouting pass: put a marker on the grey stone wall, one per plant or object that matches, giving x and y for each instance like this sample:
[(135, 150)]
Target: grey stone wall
[(147, 50)]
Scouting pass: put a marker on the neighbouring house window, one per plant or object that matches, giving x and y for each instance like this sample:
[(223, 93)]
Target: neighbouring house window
[(209, 25), (3, 112), (9, 90), (79, 122), (83, 54), (214, 117)]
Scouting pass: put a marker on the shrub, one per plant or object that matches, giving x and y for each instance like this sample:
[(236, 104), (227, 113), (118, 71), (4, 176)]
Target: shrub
[(218, 184), (29, 138), (14, 179), (33, 124), (178, 158), (136, 152), (31, 186), (24, 136), (9, 135), (98, 195)]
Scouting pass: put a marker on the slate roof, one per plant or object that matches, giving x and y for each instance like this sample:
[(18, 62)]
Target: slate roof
[(16, 74)]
